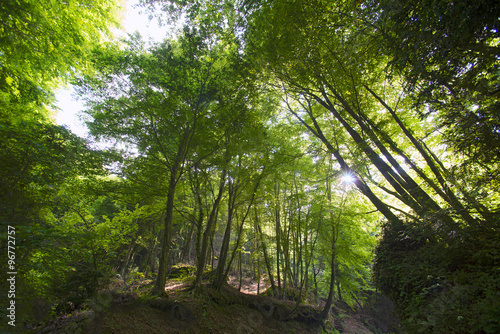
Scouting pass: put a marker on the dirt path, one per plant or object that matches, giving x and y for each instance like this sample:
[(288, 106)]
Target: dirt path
[(248, 285)]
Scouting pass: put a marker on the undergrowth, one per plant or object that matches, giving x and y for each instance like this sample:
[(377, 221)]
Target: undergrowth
[(442, 279)]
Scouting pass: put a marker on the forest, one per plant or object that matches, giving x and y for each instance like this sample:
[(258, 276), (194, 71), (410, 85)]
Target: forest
[(331, 152)]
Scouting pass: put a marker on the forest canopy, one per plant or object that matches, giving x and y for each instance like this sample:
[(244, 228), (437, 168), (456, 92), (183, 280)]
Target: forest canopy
[(337, 149)]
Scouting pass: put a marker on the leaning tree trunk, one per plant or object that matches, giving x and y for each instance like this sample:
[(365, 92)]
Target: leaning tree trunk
[(175, 170), (208, 229), (128, 256), (219, 277), (240, 230), (315, 129), (266, 257)]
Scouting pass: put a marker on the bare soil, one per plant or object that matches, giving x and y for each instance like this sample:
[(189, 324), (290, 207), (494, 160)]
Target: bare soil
[(124, 310)]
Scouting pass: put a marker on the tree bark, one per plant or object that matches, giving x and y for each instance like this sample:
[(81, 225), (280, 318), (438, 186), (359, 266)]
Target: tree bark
[(175, 171), (219, 278), (186, 249), (266, 257), (159, 288), (240, 230), (278, 233), (331, 290), (450, 196), (362, 186), (208, 229), (130, 248)]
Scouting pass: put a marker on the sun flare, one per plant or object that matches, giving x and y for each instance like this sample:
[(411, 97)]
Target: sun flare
[(348, 178)]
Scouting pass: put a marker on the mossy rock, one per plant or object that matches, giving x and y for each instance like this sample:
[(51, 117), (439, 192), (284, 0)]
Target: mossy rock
[(182, 270)]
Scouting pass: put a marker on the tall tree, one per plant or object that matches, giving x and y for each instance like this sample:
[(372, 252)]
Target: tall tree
[(337, 71), (176, 102), (448, 54)]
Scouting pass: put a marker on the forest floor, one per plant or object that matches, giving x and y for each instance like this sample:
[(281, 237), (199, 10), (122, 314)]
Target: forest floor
[(129, 309)]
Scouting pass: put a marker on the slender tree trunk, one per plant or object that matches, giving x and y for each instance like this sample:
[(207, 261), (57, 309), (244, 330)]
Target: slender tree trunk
[(240, 230), (240, 270), (130, 248), (187, 243), (331, 290), (199, 235), (151, 260), (154, 256), (450, 196), (208, 231), (338, 286), (220, 277), (360, 184), (266, 257), (258, 265), (287, 264), (304, 279), (211, 250), (335, 232), (278, 233), (315, 281), (389, 174), (175, 172)]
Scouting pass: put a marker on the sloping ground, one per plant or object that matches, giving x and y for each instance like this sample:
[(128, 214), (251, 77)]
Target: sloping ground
[(248, 285), (206, 310)]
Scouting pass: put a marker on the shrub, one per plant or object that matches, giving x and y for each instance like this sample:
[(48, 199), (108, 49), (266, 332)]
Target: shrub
[(442, 279)]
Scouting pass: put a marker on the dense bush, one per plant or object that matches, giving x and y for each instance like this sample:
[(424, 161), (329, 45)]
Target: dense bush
[(442, 279)]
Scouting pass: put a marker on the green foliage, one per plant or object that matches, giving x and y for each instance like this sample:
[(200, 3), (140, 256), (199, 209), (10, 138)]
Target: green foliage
[(448, 54), (45, 43), (248, 107), (35, 158), (73, 263), (443, 44), (42, 45), (53, 193), (442, 279)]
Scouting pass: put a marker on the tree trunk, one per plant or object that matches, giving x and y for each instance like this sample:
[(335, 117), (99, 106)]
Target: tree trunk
[(187, 243), (278, 233), (186, 249), (338, 287), (208, 231), (258, 266), (240, 230), (331, 291), (220, 277), (449, 195), (266, 257), (175, 170), (130, 248), (315, 281), (335, 232), (199, 236), (159, 288), (360, 184), (240, 270)]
